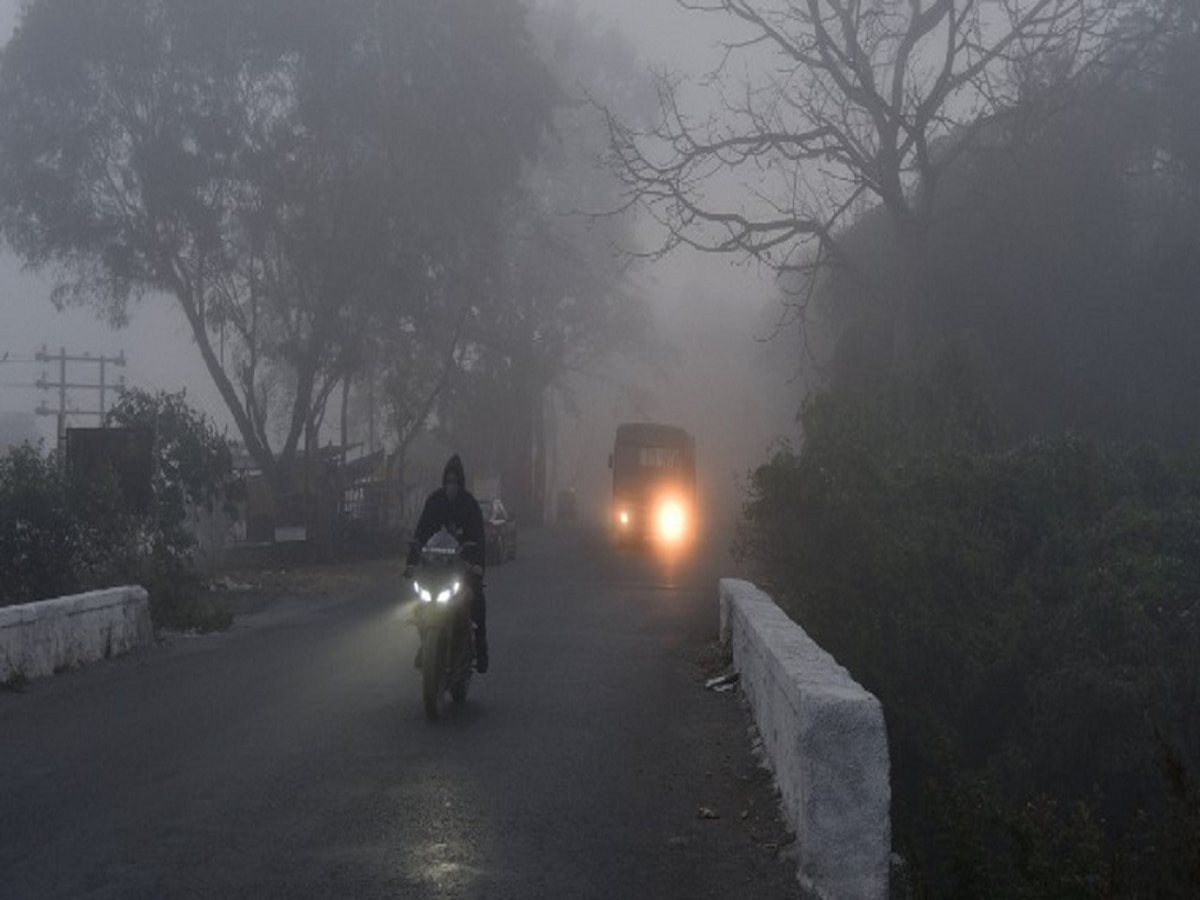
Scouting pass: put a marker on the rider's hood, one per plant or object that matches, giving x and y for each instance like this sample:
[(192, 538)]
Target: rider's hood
[(454, 466)]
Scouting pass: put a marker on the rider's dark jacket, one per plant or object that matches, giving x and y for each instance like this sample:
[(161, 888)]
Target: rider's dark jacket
[(461, 516)]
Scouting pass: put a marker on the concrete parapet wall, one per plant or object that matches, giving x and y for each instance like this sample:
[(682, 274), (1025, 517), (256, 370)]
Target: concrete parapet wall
[(39, 639), (826, 742)]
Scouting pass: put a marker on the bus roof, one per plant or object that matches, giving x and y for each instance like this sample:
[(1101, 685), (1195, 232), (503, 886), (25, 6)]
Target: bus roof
[(653, 434)]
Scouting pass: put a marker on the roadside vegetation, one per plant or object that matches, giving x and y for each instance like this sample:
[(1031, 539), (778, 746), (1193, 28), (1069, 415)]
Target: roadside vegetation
[(1028, 615), (993, 515), (364, 211), (68, 527)]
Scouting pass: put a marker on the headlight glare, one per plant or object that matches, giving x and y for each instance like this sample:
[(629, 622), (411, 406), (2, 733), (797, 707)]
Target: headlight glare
[(672, 521)]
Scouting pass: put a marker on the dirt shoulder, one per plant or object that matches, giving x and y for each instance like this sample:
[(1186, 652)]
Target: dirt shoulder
[(246, 592)]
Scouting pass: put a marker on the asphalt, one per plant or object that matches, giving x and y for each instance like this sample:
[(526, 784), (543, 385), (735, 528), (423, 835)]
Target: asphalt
[(290, 757)]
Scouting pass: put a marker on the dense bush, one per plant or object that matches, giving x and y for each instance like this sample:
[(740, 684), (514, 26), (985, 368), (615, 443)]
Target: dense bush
[(193, 470), (1029, 617), (59, 533), (994, 555), (65, 531)]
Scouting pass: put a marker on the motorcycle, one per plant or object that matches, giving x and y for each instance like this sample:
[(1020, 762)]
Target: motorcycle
[(442, 583)]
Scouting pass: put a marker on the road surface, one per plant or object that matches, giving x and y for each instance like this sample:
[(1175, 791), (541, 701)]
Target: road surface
[(290, 758)]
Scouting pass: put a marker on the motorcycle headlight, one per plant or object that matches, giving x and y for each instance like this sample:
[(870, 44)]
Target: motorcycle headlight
[(444, 596), (426, 596)]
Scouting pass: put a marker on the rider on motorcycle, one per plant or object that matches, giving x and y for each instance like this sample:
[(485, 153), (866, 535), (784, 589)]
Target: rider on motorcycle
[(454, 508)]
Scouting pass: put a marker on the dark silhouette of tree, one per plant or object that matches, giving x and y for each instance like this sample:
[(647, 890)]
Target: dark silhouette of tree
[(844, 106), (1065, 254)]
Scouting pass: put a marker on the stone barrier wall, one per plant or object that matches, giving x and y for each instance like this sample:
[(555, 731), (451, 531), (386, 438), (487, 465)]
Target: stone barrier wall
[(825, 741)]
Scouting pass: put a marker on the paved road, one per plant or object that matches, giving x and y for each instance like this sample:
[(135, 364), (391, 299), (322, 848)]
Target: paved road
[(290, 757)]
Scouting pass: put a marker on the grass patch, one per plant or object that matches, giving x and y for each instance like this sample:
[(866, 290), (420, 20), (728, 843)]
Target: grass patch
[(15, 683), (336, 578), (178, 602), (195, 614)]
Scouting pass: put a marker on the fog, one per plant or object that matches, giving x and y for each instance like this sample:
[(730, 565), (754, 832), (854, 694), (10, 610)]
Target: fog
[(725, 374), (383, 232), (711, 374)]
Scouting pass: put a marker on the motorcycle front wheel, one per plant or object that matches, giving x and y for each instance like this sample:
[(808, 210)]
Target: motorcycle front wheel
[(433, 674), (460, 687)]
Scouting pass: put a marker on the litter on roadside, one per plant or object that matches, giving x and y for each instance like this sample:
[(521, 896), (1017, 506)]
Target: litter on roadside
[(228, 584), (723, 683)]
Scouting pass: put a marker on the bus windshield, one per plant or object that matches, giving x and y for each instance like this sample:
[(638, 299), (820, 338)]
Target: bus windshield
[(641, 457)]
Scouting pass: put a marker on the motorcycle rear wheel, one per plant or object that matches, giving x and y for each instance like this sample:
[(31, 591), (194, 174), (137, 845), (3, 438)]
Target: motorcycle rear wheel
[(458, 690), (433, 674)]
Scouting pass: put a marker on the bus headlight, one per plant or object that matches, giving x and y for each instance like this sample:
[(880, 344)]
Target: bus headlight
[(671, 521)]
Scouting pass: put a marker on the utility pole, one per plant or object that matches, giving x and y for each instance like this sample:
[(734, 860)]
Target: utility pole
[(62, 386), (370, 412)]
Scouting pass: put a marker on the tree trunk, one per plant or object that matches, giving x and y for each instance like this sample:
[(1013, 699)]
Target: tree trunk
[(908, 306), (518, 455), (538, 461), (345, 418)]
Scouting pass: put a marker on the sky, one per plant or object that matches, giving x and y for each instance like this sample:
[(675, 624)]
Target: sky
[(157, 342)]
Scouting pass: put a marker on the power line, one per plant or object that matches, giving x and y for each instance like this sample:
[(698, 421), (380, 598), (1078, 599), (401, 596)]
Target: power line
[(62, 385)]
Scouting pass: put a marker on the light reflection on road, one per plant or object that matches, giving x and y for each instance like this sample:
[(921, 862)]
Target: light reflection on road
[(441, 865), (449, 856)]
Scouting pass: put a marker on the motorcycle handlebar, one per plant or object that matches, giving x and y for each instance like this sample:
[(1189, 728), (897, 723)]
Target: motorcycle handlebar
[(471, 567)]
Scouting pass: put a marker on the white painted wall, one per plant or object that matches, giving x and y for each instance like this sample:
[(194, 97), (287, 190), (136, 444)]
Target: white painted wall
[(39, 639), (826, 742)]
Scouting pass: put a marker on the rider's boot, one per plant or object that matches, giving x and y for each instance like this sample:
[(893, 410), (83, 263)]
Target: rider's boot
[(481, 651)]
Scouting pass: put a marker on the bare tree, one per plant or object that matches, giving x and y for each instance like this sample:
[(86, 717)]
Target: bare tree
[(831, 107)]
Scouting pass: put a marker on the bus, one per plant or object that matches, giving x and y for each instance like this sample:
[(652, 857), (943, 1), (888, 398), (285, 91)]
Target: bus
[(654, 483)]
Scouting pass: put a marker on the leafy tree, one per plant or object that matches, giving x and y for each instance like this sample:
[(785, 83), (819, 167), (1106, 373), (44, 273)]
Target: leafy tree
[(193, 462), (559, 302), (287, 173), (192, 471)]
